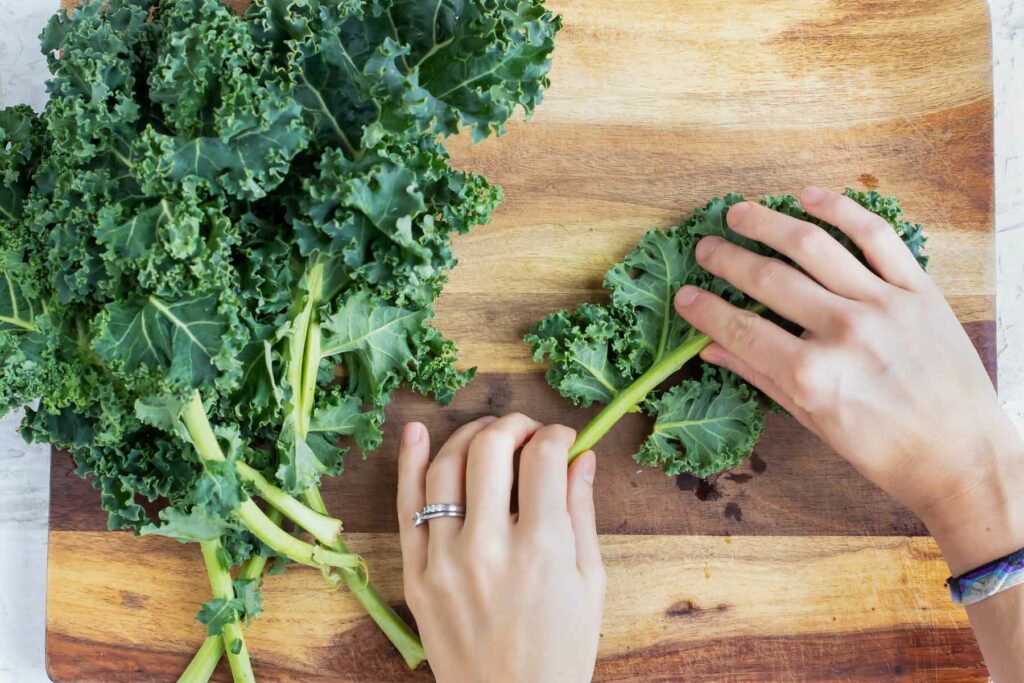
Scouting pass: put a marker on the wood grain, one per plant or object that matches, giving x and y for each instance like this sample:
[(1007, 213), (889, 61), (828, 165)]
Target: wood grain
[(800, 570), (794, 486), (679, 607)]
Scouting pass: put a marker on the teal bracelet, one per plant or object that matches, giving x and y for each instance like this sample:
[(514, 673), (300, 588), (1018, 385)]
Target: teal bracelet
[(988, 579)]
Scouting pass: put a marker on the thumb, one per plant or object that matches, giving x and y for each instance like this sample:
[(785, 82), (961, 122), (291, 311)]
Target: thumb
[(581, 511)]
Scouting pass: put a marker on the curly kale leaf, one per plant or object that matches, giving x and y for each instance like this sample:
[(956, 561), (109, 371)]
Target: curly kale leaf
[(704, 426), (186, 337), (622, 353), (343, 415), (22, 137), (581, 347)]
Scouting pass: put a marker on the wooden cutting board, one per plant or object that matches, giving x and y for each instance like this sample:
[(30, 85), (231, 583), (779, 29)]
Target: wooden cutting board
[(793, 568)]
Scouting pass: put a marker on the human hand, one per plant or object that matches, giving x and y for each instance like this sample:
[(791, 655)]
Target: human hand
[(503, 597), (884, 372)]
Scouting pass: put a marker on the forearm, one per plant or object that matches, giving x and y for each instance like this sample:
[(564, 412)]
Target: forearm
[(998, 624), (985, 523)]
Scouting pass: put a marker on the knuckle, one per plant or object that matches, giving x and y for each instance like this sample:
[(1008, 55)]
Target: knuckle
[(489, 554), (875, 230), (808, 379), (766, 275), (556, 433), (516, 421), (438, 581), (849, 326), (876, 225), (741, 329), (806, 240), (483, 559), (489, 441), (414, 595), (549, 541)]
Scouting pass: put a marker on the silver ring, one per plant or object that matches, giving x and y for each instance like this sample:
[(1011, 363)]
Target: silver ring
[(436, 510)]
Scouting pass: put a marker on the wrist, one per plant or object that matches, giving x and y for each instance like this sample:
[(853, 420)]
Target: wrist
[(983, 518)]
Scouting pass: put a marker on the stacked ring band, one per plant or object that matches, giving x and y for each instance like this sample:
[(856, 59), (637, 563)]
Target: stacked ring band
[(436, 510)]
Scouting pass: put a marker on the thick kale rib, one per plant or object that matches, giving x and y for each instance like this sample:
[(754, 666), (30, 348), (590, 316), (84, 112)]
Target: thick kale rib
[(213, 213), (622, 354)]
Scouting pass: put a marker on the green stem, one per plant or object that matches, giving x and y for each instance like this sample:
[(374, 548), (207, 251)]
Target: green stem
[(283, 543), (17, 322), (206, 445), (394, 627), (203, 664), (234, 642), (325, 529), (304, 355), (627, 400), (199, 429), (254, 566), (205, 660), (311, 364), (304, 350)]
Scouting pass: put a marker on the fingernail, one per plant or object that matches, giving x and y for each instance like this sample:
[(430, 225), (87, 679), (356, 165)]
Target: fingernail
[(488, 419), (589, 468), (737, 212), (687, 295), (413, 434), (707, 246), (813, 195)]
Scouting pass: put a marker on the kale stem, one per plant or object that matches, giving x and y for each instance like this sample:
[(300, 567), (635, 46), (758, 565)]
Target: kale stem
[(285, 544), (310, 349), (633, 395), (254, 566), (394, 627), (304, 355), (325, 529), (205, 442), (200, 430), (234, 642), (203, 664)]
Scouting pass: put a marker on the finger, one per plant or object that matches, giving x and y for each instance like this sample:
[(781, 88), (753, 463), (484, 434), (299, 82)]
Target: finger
[(882, 247), (581, 512), (489, 471), (446, 482), (759, 343), (809, 246), (779, 286), (716, 355), (413, 456), (543, 477)]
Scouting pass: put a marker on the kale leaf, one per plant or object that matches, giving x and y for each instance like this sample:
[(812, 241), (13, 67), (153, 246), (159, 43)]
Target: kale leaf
[(622, 353)]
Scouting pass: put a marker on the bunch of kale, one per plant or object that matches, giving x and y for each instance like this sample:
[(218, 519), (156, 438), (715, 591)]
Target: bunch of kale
[(219, 248)]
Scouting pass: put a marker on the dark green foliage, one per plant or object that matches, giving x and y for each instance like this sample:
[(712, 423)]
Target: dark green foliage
[(229, 206)]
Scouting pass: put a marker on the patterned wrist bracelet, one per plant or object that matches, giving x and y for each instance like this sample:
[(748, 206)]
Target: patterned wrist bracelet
[(988, 579)]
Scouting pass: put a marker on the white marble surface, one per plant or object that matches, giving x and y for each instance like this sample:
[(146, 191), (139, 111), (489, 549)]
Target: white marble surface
[(23, 469)]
